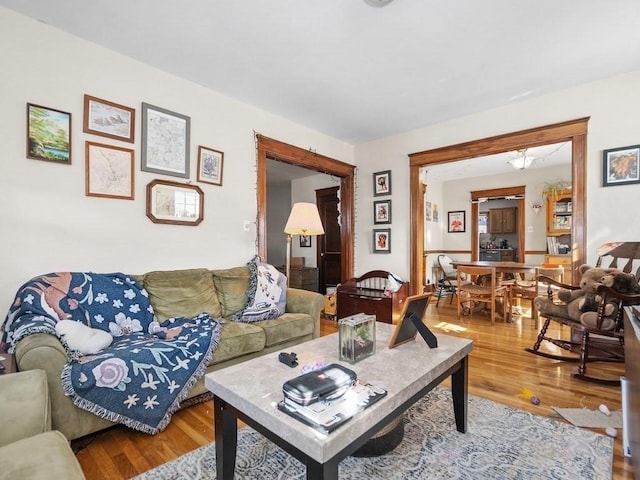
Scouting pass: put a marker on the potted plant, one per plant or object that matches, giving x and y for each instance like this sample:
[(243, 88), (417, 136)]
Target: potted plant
[(552, 189)]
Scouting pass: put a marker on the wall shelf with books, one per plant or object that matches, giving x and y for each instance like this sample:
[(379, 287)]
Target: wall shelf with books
[(559, 224)]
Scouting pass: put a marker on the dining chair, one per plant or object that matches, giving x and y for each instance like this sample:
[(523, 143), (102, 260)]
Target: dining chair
[(448, 281), (486, 289), (523, 288)]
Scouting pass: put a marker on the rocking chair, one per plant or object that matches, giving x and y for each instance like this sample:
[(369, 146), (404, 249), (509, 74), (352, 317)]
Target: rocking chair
[(594, 343)]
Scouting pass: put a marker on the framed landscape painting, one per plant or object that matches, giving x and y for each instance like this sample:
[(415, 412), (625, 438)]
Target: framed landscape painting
[(48, 134)]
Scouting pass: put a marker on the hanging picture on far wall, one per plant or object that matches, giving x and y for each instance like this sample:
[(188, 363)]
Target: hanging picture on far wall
[(620, 166), (456, 222), (305, 240), (382, 212), (427, 211), (382, 183), (434, 214), (382, 240)]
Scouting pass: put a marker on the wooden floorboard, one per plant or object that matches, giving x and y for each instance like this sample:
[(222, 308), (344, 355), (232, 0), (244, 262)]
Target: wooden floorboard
[(498, 369)]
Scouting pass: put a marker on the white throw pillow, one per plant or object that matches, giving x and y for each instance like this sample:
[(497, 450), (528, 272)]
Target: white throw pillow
[(83, 338)]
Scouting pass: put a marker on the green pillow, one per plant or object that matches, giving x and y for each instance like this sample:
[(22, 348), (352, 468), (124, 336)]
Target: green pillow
[(232, 286), (182, 293)]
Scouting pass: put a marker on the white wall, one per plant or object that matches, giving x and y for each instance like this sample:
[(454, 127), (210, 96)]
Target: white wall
[(611, 212), (48, 224), (279, 207)]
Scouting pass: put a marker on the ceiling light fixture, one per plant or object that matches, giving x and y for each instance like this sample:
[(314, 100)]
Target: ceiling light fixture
[(522, 161), (377, 3)]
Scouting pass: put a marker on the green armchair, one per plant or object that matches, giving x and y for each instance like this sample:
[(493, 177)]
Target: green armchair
[(29, 449)]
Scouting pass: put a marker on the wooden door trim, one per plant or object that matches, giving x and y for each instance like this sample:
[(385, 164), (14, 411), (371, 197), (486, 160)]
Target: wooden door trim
[(283, 152), (574, 131)]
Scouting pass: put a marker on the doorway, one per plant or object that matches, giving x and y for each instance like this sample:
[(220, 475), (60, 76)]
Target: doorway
[(283, 152), (329, 250), (574, 131), (518, 191)]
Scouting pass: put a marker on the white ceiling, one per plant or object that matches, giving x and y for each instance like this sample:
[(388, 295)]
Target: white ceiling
[(357, 72)]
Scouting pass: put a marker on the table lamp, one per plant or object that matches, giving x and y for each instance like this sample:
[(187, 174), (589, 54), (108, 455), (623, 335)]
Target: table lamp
[(304, 219)]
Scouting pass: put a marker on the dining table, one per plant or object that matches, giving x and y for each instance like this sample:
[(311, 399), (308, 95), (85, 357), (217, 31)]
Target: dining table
[(515, 268)]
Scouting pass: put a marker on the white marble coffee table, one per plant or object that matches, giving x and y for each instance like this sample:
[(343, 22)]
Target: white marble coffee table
[(250, 391)]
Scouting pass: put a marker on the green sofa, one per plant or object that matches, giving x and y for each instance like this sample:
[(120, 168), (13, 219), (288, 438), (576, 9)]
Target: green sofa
[(29, 449), (221, 293)]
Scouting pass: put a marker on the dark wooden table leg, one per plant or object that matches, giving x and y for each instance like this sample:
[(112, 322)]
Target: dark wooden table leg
[(322, 471), (226, 434), (459, 393)]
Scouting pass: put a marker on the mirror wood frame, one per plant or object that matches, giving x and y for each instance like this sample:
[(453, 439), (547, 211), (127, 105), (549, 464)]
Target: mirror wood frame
[(574, 131), (283, 152)]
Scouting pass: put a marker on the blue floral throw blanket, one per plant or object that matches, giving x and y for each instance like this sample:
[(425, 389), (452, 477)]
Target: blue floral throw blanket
[(140, 379)]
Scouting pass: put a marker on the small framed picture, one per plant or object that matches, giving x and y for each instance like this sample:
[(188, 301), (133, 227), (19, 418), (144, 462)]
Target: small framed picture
[(382, 183), (427, 211), (382, 212), (109, 171), (48, 134), (305, 240), (165, 141), (382, 240), (620, 166), (102, 117), (210, 163), (456, 222)]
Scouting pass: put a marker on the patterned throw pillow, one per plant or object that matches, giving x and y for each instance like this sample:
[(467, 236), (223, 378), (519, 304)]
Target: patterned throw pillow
[(267, 294)]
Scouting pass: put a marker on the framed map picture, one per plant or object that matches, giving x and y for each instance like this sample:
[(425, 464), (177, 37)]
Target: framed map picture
[(165, 141), (109, 171)]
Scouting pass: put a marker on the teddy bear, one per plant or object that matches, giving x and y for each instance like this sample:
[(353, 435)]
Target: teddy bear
[(621, 282), (579, 302)]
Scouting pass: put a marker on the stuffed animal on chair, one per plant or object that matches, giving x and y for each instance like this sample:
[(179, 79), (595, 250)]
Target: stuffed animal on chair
[(621, 282), (577, 302)]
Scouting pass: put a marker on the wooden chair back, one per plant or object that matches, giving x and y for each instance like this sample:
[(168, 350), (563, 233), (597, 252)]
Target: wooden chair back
[(487, 293)]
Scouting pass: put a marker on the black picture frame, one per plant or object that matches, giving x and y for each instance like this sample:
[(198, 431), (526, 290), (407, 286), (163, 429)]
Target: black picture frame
[(382, 240), (382, 212), (305, 241), (48, 134), (621, 166), (382, 183), (456, 221), (410, 323)]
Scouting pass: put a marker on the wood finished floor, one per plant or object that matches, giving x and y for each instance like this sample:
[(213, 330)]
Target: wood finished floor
[(498, 368)]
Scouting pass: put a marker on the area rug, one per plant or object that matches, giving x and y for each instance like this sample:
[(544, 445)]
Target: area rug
[(500, 443), (583, 417)]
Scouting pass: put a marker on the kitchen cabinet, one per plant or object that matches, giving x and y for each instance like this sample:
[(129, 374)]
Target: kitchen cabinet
[(498, 255), (502, 220)]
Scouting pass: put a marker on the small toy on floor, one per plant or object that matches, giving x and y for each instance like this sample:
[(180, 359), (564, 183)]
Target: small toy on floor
[(528, 395)]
